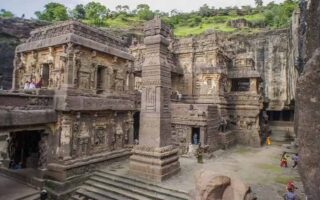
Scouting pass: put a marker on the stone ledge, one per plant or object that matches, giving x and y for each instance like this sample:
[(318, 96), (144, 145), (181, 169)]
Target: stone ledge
[(26, 117), (70, 37)]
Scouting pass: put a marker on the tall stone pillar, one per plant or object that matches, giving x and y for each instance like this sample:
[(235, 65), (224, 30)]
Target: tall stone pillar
[(155, 158)]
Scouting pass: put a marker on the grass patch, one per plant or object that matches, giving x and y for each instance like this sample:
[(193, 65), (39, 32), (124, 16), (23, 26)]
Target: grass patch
[(285, 179), (242, 150), (269, 167)]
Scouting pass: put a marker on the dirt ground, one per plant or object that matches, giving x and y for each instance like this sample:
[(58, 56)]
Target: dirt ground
[(257, 167)]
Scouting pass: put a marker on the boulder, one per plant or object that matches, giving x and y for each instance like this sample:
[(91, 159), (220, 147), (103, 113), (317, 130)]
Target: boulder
[(211, 186)]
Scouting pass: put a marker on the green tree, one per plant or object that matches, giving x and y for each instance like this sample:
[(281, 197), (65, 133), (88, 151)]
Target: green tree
[(144, 12), (53, 12), (205, 11), (96, 12), (259, 3), (79, 12), (6, 14)]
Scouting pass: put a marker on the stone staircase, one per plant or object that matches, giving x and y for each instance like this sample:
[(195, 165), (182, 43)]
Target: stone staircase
[(105, 185), (34, 196)]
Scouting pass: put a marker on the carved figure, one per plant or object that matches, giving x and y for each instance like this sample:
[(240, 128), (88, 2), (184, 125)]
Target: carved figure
[(43, 151)]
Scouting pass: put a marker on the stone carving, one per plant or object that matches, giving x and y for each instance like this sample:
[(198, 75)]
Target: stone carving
[(150, 98), (43, 152)]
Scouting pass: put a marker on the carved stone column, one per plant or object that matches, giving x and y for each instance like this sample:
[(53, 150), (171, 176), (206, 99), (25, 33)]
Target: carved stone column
[(155, 158), (69, 66)]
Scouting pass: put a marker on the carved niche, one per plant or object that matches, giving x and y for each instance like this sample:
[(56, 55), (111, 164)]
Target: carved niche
[(150, 98)]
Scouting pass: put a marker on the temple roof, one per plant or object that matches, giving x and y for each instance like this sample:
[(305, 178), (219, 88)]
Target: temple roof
[(78, 33)]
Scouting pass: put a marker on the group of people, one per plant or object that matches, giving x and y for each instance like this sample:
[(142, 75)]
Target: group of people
[(290, 195), (284, 160), (29, 85)]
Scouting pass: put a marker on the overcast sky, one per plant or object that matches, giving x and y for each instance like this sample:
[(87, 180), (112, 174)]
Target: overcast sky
[(28, 7)]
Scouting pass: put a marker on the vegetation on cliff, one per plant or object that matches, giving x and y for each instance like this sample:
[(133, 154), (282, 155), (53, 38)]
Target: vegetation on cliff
[(229, 19)]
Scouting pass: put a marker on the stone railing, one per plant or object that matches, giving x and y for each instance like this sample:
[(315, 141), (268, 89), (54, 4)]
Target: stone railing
[(25, 100)]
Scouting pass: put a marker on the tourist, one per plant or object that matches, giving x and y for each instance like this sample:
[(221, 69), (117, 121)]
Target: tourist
[(39, 84), (195, 139), (43, 194), (291, 186), (295, 159), (26, 85), (32, 85), (290, 195), (268, 141), (284, 160), (199, 154)]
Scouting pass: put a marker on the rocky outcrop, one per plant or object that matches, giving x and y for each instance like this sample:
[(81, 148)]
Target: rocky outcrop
[(12, 32), (307, 121), (211, 186)]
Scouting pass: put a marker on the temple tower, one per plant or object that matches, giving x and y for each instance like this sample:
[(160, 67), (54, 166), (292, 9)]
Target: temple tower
[(155, 158)]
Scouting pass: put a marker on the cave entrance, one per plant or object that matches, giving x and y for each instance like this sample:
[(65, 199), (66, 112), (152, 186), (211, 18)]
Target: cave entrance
[(195, 136), (23, 149)]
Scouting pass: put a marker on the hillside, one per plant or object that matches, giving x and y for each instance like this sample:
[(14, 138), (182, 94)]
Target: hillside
[(245, 19)]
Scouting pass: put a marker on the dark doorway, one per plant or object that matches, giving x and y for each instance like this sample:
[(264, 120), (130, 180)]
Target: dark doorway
[(195, 136), (24, 149), (240, 85), (45, 75), (100, 79), (136, 125)]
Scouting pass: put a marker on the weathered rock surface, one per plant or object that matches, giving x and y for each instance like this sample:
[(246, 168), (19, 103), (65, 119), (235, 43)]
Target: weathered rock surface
[(307, 121), (211, 186), (12, 32)]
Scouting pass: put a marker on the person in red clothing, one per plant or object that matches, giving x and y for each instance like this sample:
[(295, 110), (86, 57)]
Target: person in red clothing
[(284, 160), (291, 186)]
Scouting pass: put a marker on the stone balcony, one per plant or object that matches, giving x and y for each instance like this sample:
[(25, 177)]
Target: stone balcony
[(20, 108)]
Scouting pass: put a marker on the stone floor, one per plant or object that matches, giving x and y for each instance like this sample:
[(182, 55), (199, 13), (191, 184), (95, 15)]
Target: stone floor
[(258, 167), (11, 189)]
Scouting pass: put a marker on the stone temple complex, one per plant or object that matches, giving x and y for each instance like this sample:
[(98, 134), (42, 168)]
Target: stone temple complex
[(100, 99)]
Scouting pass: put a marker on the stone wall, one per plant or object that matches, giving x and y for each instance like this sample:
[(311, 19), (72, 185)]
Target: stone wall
[(115, 73), (269, 51), (12, 33), (307, 119), (87, 134)]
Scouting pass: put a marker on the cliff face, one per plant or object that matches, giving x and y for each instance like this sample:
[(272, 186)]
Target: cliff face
[(307, 121), (12, 33), (270, 51)]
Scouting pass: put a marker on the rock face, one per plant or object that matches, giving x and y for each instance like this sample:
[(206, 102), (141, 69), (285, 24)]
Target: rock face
[(210, 186), (269, 51), (12, 33), (307, 122)]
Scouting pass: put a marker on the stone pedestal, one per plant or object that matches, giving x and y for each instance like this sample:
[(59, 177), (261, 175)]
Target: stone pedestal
[(155, 164), (155, 158)]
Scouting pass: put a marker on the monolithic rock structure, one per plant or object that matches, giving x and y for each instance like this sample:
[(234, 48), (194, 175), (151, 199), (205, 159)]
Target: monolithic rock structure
[(222, 83), (94, 98), (155, 157), (307, 122), (82, 107)]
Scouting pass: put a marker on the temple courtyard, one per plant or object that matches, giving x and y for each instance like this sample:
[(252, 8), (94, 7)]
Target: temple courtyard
[(257, 167)]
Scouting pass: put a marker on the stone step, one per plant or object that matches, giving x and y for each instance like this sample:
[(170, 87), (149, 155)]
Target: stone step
[(134, 189), (23, 176), (109, 192), (88, 193), (135, 183), (34, 196), (119, 191)]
